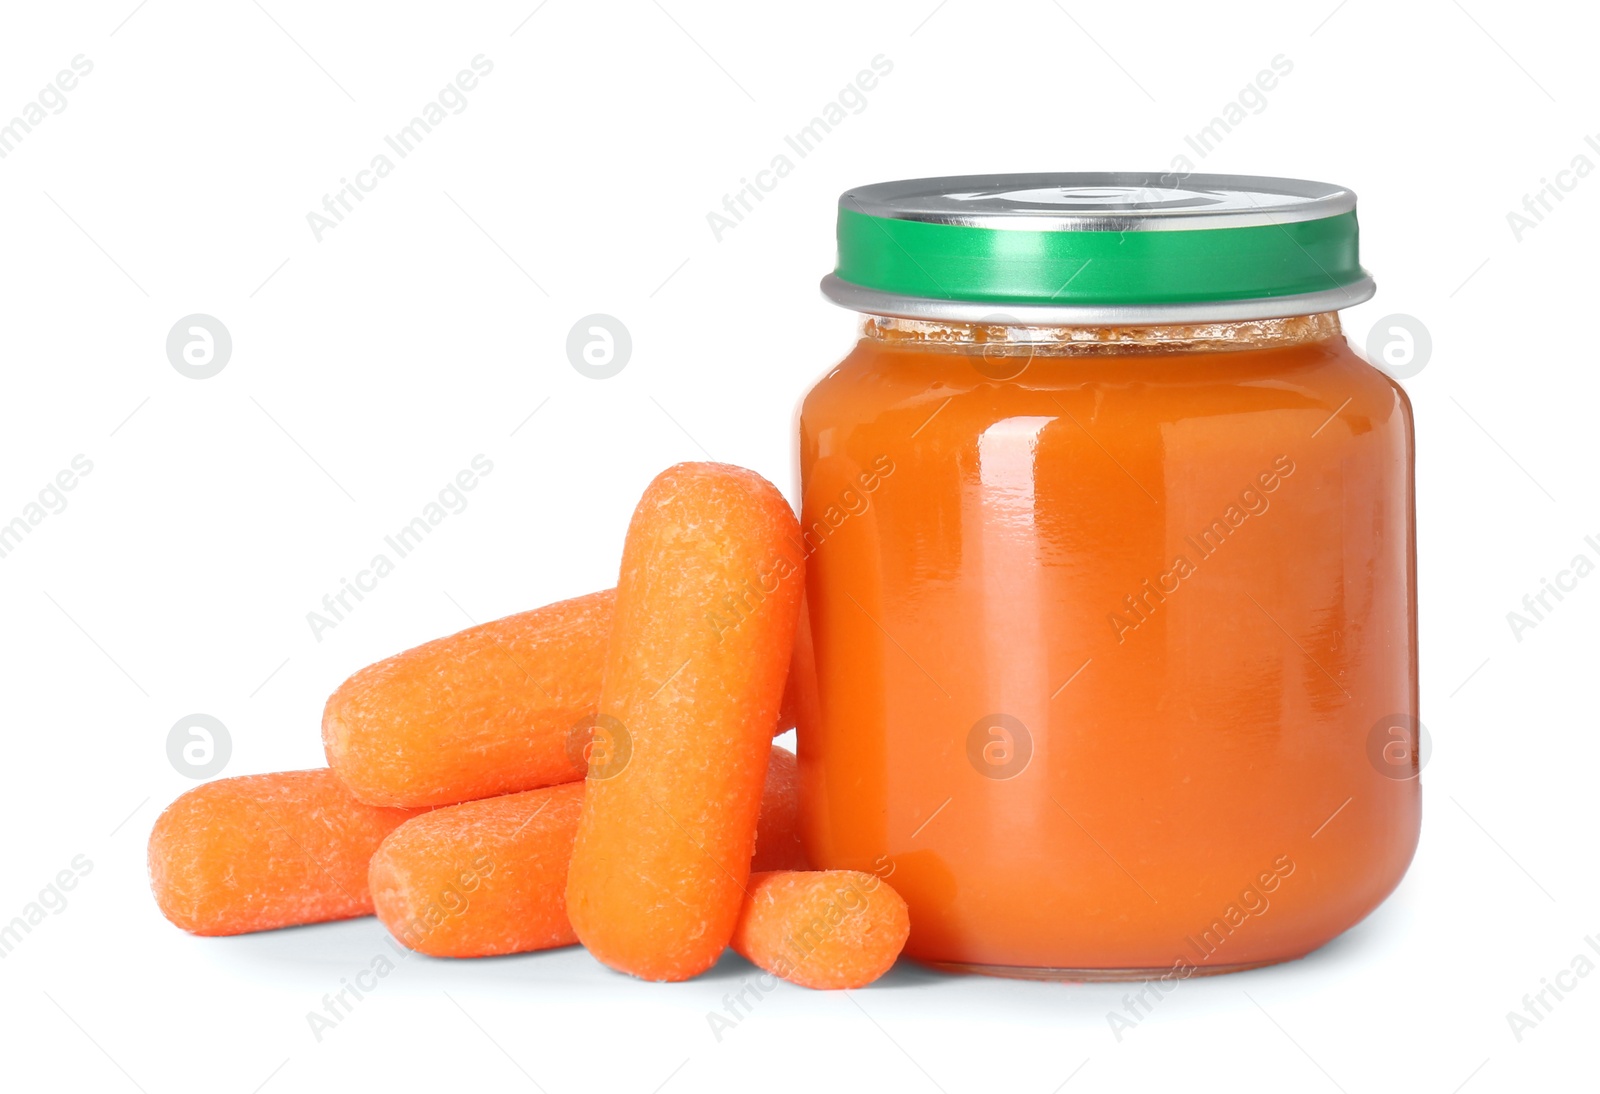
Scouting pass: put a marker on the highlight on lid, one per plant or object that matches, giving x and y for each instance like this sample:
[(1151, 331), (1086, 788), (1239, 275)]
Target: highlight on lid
[(1098, 247)]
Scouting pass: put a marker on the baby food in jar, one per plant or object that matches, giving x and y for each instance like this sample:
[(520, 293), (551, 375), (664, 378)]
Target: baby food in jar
[(1109, 663)]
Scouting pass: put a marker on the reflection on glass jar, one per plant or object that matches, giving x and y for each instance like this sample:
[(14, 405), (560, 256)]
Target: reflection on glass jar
[(1106, 597)]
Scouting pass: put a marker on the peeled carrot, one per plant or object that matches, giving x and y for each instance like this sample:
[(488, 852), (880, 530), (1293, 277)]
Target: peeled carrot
[(490, 877), (705, 617), (823, 928), (264, 851), (482, 878), (495, 709), (491, 710), (778, 833)]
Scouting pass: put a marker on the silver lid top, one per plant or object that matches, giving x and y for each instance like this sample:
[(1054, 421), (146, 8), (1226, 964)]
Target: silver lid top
[(1112, 201)]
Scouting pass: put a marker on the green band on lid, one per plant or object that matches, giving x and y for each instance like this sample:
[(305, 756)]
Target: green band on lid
[(1019, 266), (1098, 247)]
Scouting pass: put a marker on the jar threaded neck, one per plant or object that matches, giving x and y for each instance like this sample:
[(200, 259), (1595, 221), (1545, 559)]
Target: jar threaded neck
[(999, 338)]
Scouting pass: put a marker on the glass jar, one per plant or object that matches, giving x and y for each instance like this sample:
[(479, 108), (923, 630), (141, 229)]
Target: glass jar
[(1111, 668)]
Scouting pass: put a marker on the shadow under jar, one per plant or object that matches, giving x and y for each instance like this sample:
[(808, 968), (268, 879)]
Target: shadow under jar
[(1111, 663)]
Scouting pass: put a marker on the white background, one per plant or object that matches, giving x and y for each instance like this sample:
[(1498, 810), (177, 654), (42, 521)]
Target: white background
[(370, 367)]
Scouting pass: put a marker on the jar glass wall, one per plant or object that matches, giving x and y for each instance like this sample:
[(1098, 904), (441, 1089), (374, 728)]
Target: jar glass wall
[(1112, 634)]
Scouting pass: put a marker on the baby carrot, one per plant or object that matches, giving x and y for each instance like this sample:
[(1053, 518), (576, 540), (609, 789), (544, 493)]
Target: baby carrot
[(488, 711), (778, 833), (823, 928), (705, 617), (490, 877), (482, 878), (264, 851)]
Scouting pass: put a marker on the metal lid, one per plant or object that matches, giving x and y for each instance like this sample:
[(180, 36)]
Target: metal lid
[(1097, 248)]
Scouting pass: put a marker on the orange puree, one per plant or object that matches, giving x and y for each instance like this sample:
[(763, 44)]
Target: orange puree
[(1106, 638)]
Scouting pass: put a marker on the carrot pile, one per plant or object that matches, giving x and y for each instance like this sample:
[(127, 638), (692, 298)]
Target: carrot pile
[(597, 771)]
